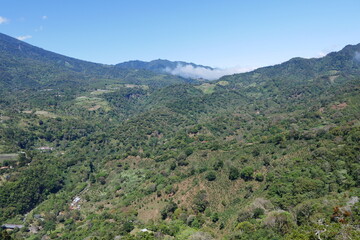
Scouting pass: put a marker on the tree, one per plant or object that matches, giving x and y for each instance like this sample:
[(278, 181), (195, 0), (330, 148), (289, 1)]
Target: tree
[(172, 166), (256, 152), (168, 209), (219, 164), (200, 201), (247, 173), (234, 173), (49, 225), (215, 217), (258, 212), (5, 235), (210, 176), (128, 226), (259, 177), (280, 221)]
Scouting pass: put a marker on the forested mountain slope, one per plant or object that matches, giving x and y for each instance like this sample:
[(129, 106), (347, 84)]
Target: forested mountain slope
[(270, 154), (300, 70), (23, 65)]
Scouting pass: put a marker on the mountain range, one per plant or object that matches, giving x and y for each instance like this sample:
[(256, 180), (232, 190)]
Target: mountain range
[(40, 63), (127, 151)]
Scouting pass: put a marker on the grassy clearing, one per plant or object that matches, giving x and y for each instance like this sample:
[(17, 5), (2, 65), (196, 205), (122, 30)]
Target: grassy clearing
[(223, 83), (119, 85), (46, 114), (8, 156), (100, 91), (209, 88), (4, 118), (144, 87), (92, 103), (41, 113), (206, 88)]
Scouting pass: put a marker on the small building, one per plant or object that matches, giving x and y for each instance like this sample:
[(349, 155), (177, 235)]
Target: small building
[(45, 148), (11, 226), (75, 203)]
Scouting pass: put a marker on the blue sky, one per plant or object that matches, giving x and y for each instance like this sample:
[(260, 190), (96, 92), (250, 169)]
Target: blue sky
[(225, 33)]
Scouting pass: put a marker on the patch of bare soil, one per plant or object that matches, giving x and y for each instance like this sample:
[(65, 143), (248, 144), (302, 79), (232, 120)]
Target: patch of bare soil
[(339, 106), (94, 108)]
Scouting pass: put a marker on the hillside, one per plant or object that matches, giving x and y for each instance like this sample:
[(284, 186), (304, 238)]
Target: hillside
[(25, 66), (269, 154), (300, 70)]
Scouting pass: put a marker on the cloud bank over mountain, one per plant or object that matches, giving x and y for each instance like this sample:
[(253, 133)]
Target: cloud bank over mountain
[(189, 71)]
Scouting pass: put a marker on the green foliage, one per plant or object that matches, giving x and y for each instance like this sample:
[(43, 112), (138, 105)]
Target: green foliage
[(215, 217), (233, 173), (168, 210), (247, 173), (280, 221), (258, 212), (246, 227), (200, 202), (259, 177), (218, 164), (31, 188), (5, 235), (130, 142), (210, 176), (128, 226)]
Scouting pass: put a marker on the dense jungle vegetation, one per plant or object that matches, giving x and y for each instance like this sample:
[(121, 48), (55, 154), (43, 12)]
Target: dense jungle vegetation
[(92, 151)]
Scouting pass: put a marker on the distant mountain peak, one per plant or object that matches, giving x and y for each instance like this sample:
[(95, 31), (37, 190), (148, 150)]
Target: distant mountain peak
[(159, 65), (299, 70), (182, 69), (24, 65)]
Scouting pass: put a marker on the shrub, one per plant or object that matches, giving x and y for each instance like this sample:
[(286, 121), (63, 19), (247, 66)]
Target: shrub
[(222, 225), (281, 221), (168, 210), (256, 152), (169, 189), (259, 177), (215, 217), (247, 173), (190, 219), (258, 212), (243, 216), (173, 166), (246, 227), (219, 164), (210, 176), (234, 173), (189, 151), (200, 201), (150, 189), (128, 226)]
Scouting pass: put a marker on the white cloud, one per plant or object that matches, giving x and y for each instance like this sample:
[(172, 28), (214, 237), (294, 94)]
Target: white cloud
[(3, 20), (190, 71), (44, 17), (322, 54), (357, 56), (22, 38), (326, 51)]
